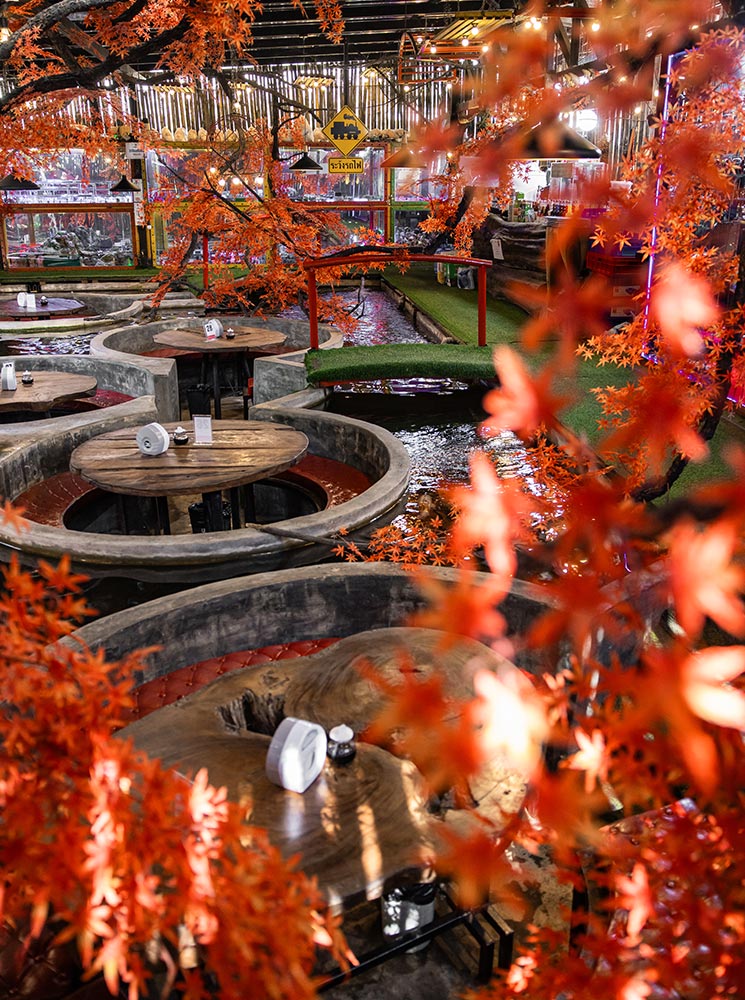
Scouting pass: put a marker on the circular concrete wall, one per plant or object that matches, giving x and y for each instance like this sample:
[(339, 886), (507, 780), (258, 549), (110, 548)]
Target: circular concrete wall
[(287, 606), (196, 558)]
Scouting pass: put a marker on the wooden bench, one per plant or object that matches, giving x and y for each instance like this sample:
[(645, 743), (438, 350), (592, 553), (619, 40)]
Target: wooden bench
[(50, 501)]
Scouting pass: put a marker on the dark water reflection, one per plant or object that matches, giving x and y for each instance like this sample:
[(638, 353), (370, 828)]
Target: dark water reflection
[(65, 344), (436, 420), (440, 433)]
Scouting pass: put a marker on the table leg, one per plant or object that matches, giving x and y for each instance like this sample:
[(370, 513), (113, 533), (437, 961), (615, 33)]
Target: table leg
[(121, 504), (213, 511), (249, 503), (216, 387), (235, 506), (164, 521)]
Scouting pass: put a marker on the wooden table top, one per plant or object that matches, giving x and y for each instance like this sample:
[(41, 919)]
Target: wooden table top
[(9, 309), (49, 388), (357, 825), (242, 451), (245, 339)]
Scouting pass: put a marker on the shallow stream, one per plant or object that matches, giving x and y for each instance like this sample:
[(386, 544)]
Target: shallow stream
[(436, 420)]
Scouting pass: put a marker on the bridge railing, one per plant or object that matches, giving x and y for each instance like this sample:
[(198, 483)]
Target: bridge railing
[(361, 256)]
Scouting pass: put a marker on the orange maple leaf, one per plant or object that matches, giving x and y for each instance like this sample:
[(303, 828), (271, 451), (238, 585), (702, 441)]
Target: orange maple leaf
[(703, 577), (636, 897), (522, 403), (590, 758), (683, 305), (12, 515)]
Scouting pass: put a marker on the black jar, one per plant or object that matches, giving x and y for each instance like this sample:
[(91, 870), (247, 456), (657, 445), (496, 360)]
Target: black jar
[(341, 747)]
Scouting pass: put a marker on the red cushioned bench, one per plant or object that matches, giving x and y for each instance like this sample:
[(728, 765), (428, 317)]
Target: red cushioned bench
[(98, 401), (165, 690), (51, 500), (329, 481)]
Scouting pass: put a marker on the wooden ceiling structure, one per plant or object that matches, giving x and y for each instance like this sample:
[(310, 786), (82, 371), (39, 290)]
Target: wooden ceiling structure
[(372, 31)]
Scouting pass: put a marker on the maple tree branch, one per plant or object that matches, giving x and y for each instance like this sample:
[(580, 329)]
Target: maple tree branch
[(89, 77), (654, 488), (131, 12), (44, 19)]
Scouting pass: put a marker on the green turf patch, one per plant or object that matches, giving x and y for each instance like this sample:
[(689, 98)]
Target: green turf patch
[(456, 309), (345, 364)]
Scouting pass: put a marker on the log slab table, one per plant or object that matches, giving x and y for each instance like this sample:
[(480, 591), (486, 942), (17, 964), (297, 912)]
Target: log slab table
[(52, 309), (241, 453), (48, 389), (245, 339), (359, 828)]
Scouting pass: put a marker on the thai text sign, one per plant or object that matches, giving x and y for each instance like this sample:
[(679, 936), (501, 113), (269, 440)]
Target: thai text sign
[(346, 164)]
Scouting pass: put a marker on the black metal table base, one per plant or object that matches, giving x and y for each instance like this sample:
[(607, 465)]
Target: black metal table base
[(472, 920)]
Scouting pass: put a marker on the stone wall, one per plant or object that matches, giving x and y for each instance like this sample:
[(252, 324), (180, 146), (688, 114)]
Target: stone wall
[(287, 606), (197, 558)]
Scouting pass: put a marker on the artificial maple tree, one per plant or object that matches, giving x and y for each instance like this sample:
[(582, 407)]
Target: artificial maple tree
[(641, 696), (256, 242), (126, 859), (640, 701)]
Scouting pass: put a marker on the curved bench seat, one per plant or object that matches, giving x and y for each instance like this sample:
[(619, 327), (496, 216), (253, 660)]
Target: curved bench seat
[(49, 501), (162, 691), (328, 481), (99, 400), (331, 482)]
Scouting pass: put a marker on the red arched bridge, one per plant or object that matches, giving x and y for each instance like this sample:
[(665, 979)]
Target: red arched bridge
[(361, 256)]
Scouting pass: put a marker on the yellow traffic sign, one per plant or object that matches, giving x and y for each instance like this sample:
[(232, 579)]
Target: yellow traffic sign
[(346, 164), (345, 131)]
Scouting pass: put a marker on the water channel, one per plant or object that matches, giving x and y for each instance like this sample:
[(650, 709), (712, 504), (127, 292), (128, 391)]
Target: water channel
[(436, 420)]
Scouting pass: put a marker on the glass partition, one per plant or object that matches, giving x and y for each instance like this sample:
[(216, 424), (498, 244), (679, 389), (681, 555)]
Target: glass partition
[(72, 177), (93, 237)]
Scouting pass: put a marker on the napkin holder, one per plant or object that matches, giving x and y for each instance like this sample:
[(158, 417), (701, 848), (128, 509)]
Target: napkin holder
[(152, 439), (212, 329), (8, 376), (296, 754)]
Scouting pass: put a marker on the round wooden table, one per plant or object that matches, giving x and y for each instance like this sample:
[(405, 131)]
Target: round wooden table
[(358, 825), (247, 338), (48, 389), (241, 452), (53, 309)]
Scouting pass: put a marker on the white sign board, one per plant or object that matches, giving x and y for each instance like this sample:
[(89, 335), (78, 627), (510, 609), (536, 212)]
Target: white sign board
[(202, 430)]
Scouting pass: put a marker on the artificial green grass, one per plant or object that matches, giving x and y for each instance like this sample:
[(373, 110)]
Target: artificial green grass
[(456, 309), (456, 361)]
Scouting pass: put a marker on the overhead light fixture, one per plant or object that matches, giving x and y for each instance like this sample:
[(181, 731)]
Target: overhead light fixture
[(305, 164), (555, 140), (14, 183), (313, 82), (463, 30), (405, 157), (123, 186)]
